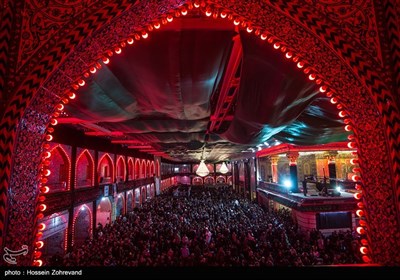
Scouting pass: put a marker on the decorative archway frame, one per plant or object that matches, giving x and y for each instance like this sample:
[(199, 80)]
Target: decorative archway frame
[(124, 167), (344, 69), (86, 153), (110, 160), (77, 212), (64, 154), (131, 168)]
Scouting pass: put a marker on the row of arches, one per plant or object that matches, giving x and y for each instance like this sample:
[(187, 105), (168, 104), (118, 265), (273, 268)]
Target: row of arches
[(60, 227), (60, 167)]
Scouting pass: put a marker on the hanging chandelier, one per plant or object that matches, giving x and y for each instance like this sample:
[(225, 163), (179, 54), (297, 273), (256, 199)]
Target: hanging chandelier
[(223, 169), (202, 170)]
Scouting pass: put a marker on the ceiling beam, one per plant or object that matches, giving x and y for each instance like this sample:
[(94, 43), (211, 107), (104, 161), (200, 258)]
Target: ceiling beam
[(229, 87)]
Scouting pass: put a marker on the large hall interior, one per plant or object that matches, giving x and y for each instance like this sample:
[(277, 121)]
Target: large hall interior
[(199, 133)]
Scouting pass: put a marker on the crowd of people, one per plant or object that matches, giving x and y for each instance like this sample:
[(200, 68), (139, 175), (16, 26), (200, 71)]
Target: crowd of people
[(209, 227)]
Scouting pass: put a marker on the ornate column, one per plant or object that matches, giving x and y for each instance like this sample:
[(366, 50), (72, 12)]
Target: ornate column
[(293, 156), (274, 168)]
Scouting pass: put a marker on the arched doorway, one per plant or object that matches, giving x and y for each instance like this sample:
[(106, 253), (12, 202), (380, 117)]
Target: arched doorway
[(120, 205), (84, 170), (103, 212), (82, 225), (137, 169), (137, 197), (106, 169), (54, 236), (129, 201), (121, 170), (60, 167), (361, 89)]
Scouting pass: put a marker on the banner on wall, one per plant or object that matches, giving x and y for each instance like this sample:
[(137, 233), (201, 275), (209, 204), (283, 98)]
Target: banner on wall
[(115, 190), (158, 183), (106, 190)]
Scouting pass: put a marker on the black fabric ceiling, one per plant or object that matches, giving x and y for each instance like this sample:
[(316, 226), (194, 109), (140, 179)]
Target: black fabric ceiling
[(158, 92)]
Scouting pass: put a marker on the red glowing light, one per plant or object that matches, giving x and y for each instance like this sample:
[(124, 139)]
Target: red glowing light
[(39, 244), (42, 207), (312, 76), (360, 213), (364, 250), (46, 172), (45, 189), (289, 54), (366, 259), (46, 154), (223, 14), (360, 205), (106, 60), (356, 178), (354, 161), (170, 18), (236, 22), (49, 137), (184, 12), (358, 187), (348, 127), (263, 36), (362, 222), (41, 226), (38, 263), (130, 40), (60, 107), (300, 64), (277, 46), (145, 35), (323, 88), (249, 29), (71, 95), (351, 145), (92, 70), (334, 100), (360, 230), (342, 114), (118, 50), (358, 196), (364, 242)]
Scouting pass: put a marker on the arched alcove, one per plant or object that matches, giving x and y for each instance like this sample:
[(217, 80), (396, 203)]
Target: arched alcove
[(129, 201), (106, 169), (84, 170), (103, 211), (131, 169), (120, 205), (82, 225), (121, 169), (60, 167)]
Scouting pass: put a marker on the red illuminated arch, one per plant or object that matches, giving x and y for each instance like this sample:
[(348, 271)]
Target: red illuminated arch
[(87, 174), (131, 169), (55, 169), (120, 169), (106, 169), (363, 88)]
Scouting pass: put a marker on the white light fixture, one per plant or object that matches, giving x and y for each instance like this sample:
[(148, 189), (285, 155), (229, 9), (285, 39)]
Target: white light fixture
[(223, 169), (202, 170)]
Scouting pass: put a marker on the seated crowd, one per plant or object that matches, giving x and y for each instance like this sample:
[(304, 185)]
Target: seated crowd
[(209, 227)]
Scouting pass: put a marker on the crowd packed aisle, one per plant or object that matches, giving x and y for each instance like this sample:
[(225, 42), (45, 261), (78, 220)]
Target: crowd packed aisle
[(209, 227)]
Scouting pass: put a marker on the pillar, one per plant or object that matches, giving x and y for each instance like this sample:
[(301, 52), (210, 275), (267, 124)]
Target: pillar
[(274, 168), (72, 180), (293, 156)]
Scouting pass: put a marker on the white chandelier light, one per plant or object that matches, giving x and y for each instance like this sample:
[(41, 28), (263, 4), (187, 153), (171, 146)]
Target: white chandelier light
[(223, 169), (202, 170)]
